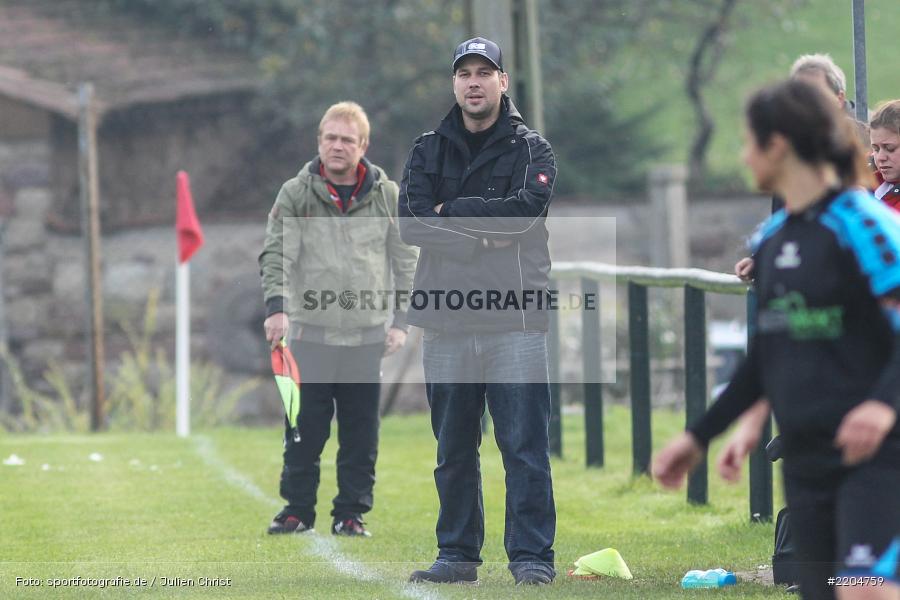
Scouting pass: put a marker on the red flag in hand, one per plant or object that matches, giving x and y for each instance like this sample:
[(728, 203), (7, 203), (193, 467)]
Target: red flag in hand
[(287, 378), (187, 226)]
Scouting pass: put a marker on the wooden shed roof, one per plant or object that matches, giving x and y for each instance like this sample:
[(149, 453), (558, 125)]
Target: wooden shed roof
[(48, 47)]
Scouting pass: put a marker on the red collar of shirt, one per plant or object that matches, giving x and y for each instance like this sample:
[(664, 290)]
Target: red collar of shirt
[(360, 177)]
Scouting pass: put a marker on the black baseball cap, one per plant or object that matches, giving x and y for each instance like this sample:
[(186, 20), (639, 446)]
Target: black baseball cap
[(482, 47)]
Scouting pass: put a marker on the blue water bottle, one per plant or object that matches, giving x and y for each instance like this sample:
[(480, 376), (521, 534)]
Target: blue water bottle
[(714, 578)]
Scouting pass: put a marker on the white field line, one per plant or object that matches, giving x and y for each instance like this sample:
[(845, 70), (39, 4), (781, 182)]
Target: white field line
[(322, 547)]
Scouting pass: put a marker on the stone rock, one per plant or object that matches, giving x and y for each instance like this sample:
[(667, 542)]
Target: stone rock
[(27, 174), (25, 269), (24, 234), (29, 318), (68, 279), (32, 204), (24, 163), (6, 204), (43, 350), (70, 317), (36, 286), (131, 280)]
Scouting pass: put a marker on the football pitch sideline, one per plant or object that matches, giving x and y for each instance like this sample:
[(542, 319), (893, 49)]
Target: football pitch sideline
[(187, 518)]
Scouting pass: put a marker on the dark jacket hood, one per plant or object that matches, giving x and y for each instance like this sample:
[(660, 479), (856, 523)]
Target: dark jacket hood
[(373, 174), (510, 119)]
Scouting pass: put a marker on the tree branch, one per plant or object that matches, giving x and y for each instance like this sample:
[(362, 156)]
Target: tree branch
[(704, 60)]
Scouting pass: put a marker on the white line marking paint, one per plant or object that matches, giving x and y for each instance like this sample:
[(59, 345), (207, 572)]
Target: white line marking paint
[(323, 548)]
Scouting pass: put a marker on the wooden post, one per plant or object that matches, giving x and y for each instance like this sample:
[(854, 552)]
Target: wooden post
[(529, 77), (668, 219), (90, 230), (493, 19), (513, 24), (5, 391)]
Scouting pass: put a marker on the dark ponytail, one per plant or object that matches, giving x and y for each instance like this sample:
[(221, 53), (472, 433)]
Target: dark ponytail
[(817, 129), (848, 156)]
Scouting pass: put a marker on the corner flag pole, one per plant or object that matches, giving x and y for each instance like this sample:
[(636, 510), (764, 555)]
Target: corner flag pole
[(182, 350), (190, 238)]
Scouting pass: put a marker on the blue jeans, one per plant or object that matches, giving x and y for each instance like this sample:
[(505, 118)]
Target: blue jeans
[(508, 372)]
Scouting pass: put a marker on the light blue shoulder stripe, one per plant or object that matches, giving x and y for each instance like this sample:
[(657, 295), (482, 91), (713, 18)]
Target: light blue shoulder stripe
[(887, 565), (871, 231), (766, 229)]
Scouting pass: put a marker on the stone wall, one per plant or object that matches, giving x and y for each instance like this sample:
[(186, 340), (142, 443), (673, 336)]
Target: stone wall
[(45, 295), (141, 148)]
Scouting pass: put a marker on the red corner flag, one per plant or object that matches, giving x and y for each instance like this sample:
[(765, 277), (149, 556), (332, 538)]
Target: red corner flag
[(187, 226)]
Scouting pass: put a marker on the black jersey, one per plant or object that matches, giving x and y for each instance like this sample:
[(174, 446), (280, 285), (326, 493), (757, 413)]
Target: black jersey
[(823, 342)]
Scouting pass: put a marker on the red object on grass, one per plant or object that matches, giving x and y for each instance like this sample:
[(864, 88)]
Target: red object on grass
[(571, 573), (187, 226), (287, 378)]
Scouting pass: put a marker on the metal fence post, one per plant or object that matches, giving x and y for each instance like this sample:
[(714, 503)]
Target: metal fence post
[(593, 394), (695, 380), (860, 75), (761, 480), (555, 397), (760, 466), (638, 334), (697, 283)]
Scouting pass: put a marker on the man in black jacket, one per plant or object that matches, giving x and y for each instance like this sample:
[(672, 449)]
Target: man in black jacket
[(474, 196)]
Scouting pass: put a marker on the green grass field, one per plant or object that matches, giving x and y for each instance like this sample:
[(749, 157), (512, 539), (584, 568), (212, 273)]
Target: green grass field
[(157, 506), (761, 49)]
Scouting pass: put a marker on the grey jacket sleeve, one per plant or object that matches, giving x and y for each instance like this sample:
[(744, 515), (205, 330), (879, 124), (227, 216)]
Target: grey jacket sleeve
[(280, 249)]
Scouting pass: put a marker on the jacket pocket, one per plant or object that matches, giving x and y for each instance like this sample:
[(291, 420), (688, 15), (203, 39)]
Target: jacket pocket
[(447, 179), (499, 182)]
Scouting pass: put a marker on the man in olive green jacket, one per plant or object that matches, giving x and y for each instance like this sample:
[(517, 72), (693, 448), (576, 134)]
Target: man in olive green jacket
[(333, 268)]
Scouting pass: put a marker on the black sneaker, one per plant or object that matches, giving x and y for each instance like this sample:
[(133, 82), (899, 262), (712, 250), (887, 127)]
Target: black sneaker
[(350, 526), (443, 571), (285, 522), (532, 577)]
